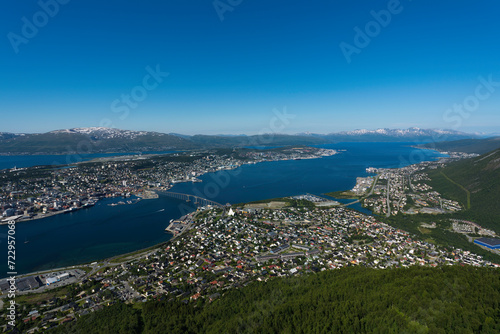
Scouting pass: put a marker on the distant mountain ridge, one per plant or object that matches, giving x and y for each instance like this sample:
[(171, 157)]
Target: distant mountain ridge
[(478, 146), (100, 139), (402, 132), (394, 135), (92, 140), (105, 133), (8, 135)]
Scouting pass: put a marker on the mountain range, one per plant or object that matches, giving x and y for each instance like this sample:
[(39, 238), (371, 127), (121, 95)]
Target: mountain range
[(99, 139)]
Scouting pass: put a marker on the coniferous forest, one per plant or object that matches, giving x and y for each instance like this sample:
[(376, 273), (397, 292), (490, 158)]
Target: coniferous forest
[(452, 299)]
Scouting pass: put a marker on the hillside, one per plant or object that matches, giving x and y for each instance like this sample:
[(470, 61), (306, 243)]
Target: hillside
[(98, 140), (92, 140), (479, 146), (475, 183), (351, 300)]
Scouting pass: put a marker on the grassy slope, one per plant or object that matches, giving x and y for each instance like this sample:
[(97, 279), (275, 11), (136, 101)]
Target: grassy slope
[(478, 178)]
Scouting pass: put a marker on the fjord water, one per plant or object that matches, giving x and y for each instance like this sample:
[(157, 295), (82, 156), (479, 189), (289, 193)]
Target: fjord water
[(104, 231), (295, 177), (93, 233)]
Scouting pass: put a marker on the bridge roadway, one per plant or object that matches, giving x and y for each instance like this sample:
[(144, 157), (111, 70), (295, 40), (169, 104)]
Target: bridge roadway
[(368, 195), (196, 199)]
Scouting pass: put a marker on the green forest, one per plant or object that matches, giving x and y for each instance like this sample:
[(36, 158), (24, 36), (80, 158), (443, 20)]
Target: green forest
[(475, 183), (451, 299)]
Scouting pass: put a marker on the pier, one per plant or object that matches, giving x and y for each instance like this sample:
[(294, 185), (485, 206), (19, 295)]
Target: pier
[(200, 201)]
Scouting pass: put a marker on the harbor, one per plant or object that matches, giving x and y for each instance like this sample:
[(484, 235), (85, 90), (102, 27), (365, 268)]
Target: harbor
[(104, 231)]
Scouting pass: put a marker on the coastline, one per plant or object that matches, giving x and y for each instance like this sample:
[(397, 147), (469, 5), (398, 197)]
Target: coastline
[(37, 217), (320, 153), (144, 250), (156, 191), (153, 193), (107, 260)]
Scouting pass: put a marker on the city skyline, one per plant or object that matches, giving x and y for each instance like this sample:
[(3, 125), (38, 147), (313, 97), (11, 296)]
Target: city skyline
[(227, 67)]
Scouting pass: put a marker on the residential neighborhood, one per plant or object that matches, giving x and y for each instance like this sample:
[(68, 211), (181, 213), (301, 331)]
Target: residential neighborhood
[(405, 190), (227, 248)]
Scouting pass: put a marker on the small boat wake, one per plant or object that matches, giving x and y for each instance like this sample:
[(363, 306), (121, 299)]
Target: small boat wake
[(160, 210)]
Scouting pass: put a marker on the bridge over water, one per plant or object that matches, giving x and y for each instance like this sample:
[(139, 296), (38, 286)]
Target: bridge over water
[(192, 198)]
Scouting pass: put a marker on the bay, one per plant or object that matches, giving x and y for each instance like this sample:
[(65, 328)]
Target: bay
[(103, 231), (91, 234), (296, 177)]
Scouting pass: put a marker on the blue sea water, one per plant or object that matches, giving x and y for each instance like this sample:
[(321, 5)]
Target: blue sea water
[(295, 177), (104, 231), (93, 233)]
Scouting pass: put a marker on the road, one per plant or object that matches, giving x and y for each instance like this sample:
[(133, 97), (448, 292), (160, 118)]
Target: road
[(388, 214), (368, 195), (95, 267)]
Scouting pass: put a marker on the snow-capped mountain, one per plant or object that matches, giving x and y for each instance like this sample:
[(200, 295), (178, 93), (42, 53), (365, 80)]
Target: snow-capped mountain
[(411, 132), (107, 133), (386, 135), (92, 140), (100, 139), (9, 135), (399, 135)]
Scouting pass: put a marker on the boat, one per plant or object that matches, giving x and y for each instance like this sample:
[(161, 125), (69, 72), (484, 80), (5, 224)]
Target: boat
[(73, 208), (90, 203)]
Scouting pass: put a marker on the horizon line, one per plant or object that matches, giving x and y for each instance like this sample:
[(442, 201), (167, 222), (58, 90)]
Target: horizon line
[(303, 133)]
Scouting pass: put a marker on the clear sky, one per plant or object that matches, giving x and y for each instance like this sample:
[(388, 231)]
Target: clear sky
[(230, 63)]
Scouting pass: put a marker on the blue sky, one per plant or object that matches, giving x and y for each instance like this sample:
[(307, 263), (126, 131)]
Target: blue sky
[(230, 63)]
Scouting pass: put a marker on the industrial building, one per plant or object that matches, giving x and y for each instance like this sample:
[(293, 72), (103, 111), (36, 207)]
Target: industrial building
[(488, 242)]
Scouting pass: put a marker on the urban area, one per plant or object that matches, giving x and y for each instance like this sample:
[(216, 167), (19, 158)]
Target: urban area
[(394, 190), (216, 248), (39, 192), (223, 248)]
